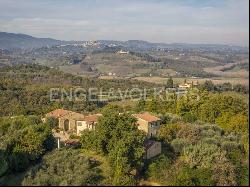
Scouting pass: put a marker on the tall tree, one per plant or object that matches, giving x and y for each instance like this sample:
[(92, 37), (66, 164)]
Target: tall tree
[(118, 137), (170, 83)]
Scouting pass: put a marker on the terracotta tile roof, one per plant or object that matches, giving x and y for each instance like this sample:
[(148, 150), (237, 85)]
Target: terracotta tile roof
[(58, 113), (91, 118), (146, 117), (74, 115)]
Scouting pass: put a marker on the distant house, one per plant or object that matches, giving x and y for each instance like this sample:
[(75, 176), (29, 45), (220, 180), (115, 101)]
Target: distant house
[(70, 121), (122, 52), (195, 84), (152, 149), (185, 85), (148, 123)]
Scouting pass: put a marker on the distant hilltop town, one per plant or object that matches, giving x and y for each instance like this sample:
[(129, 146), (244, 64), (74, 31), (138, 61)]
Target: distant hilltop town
[(89, 43)]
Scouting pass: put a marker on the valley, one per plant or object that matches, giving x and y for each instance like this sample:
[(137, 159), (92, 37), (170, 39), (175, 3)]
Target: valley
[(144, 61)]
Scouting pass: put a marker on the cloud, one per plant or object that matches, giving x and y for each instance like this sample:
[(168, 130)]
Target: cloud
[(56, 28), (193, 21)]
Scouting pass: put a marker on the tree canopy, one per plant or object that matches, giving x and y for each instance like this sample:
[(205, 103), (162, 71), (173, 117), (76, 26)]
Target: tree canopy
[(64, 167), (117, 136)]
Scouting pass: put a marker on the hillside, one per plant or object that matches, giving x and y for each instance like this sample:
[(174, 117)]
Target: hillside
[(145, 59), (26, 89), (23, 41)]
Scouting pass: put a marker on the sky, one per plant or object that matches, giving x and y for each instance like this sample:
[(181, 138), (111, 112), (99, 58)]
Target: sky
[(167, 21)]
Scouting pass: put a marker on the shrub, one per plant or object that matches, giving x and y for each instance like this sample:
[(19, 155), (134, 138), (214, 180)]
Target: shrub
[(189, 117), (52, 122), (230, 146), (67, 167), (25, 143), (179, 144), (191, 133), (168, 132), (161, 163), (201, 155), (193, 177)]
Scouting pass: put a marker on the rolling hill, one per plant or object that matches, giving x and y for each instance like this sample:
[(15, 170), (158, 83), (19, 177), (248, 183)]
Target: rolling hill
[(23, 41)]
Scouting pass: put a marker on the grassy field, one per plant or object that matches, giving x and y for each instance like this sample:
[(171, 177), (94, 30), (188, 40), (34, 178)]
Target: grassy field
[(163, 80), (166, 72), (235, 72), (106, 77), (105, 63), (217, 80), (120, 64)]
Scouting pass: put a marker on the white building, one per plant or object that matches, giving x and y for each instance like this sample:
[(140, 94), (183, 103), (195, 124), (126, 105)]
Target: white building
[(185, 85), (122, 52)]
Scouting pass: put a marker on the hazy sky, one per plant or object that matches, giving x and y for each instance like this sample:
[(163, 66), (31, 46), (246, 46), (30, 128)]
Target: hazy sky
[(169, 21)]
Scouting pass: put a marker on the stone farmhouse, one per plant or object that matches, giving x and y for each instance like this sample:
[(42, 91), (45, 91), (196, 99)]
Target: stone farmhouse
[(73, 122), (148, 123)]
